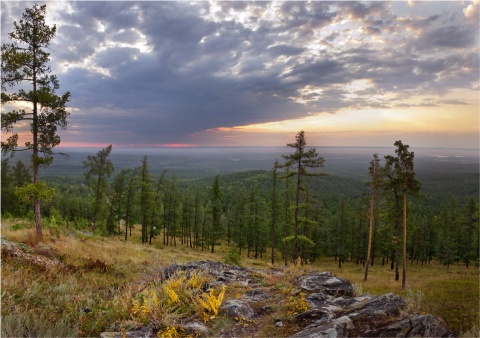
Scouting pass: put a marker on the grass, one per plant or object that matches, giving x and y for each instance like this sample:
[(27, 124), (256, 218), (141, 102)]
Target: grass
[(100, 278)]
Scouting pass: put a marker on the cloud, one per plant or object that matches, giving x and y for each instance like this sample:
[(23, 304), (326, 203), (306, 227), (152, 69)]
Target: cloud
[(163, 72)]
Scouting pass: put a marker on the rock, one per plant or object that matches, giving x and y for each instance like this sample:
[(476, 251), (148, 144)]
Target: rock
[(144, 332), (237, 308), (25, 253), (257, 295), (311, 315), (376, 312), (337, 328), (223, 273), (195, 329), (325, 282), (317, 300), (414, 326), (333, 309)]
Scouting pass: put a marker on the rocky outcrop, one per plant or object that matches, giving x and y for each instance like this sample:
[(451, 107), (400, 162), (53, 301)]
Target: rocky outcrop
[(237, 308), (41, 256), (333, 308), (325, 282)]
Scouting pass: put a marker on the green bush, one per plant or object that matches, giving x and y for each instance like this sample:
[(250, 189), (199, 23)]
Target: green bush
[(233, 256)]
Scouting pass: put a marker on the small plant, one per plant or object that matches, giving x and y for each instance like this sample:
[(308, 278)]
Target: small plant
[(414, 300), (196, 281), (357, 289), (296, 305), (233, 256), (211, 303), (245, 321), (169, 332), (172, 295)]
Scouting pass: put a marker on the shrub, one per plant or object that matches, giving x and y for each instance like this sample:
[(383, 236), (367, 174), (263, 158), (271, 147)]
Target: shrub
[(296, 305), (233, 256), (211, 303)]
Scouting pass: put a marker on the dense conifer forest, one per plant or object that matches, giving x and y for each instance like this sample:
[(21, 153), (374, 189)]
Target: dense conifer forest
[(254, 210)]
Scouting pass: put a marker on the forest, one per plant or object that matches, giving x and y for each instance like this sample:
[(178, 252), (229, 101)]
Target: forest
[(88, 237), (291, 212), (276, 215)]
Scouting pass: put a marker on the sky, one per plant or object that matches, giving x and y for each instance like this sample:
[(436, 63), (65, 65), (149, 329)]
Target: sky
[(237, 73)]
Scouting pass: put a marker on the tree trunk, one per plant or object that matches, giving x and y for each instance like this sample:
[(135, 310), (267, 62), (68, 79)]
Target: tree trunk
[(297, 202), (404, 263), (36, 176), (370, 231)]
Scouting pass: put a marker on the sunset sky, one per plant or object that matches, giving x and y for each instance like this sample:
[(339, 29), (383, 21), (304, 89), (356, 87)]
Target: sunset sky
[(241, 73)]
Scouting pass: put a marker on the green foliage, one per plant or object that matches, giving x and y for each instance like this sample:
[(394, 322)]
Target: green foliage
[(25, 59), (35, 191), (301, 239), (296, 304), (233, 256), (300, 161), (97, 170)]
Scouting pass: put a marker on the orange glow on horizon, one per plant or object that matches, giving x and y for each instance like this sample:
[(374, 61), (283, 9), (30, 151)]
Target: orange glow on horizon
[(103, 145)]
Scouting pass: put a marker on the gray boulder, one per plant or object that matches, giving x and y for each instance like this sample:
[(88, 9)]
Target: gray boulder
[(237, 308), (414, 326), (339, 327), (325, 282)]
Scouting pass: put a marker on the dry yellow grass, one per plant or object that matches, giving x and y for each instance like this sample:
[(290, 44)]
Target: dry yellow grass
[(59, 297)]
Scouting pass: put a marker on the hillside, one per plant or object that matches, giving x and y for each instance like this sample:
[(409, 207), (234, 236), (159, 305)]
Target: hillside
[(94, 283)]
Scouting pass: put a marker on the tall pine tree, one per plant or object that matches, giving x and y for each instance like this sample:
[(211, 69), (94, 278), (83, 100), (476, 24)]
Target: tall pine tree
[(404, 178), (26, 61), (98, 169), (300, 161)]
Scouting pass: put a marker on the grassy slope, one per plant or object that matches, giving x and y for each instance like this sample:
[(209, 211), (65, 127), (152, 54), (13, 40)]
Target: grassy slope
[(104, 274)]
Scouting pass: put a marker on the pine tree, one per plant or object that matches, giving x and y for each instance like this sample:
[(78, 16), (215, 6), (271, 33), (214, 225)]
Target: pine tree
[(145, 192), (471, 219), (98, 169), (375, 172), (404, 179), (273, 210), (130, 197), (116, 201), (25, 60), (153, 229), (300, 160), (216, 213)]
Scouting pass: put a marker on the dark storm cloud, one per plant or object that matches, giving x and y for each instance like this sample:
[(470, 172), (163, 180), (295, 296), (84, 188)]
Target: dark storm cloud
[(160, 71)]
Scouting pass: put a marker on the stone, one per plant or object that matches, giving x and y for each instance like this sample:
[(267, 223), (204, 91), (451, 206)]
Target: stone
[(325, 282), (256, 295), (414, 326), (376, 312), (339, 327), (311, 315), (195, 329), (317, 300), (223, 273), (333, 309), (144, 332), (237, 308)]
